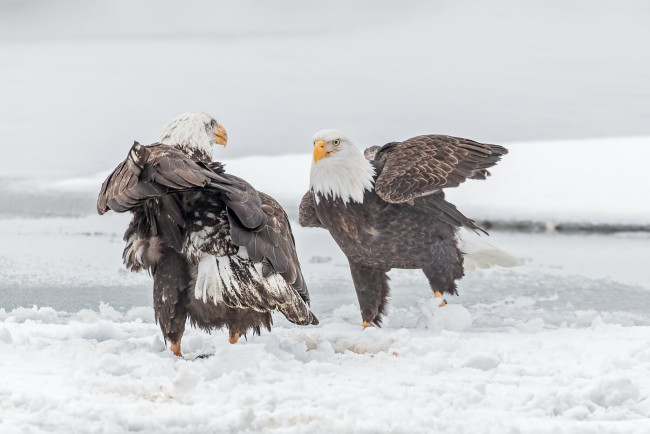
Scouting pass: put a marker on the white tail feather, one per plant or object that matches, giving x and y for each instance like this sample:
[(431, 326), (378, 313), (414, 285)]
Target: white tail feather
[(479, 254), (207, 280)]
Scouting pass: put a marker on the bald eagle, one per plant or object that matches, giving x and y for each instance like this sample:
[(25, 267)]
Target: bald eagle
[(220, 252), (386, 208)]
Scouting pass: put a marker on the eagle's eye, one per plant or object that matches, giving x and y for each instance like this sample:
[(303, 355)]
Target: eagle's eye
[(337, 142)]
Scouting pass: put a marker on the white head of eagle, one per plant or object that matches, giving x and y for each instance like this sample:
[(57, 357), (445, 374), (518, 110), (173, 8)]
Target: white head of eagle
[(339, 169), (194, 133)]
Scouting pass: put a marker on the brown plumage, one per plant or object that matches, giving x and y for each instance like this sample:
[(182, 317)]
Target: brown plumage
[(220, 252), (425, 164), (388, 210)]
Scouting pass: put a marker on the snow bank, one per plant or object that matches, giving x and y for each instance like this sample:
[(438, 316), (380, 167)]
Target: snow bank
[(583, 181), (596, 181)]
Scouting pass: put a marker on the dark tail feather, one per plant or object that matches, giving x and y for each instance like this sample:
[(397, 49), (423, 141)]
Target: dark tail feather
[(451, 215)]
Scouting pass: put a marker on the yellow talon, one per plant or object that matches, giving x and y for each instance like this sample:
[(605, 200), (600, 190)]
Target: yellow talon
[(365, 324), (176, 348), (438, 294)]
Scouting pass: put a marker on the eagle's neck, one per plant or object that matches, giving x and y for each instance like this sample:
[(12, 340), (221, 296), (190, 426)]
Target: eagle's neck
[(192, 141), (196, 153), (345, 175)]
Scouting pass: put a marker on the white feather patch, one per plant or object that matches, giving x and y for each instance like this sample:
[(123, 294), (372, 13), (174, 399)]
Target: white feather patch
[(207, 280), (188, 131), (479, 254), (195, 243), (215, 276), (134, 249)]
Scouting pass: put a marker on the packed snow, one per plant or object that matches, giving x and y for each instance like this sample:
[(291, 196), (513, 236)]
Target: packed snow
[(105, 371)]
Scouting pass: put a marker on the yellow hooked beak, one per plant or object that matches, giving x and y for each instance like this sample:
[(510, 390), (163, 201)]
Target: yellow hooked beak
[(320, 151), (220, 135)]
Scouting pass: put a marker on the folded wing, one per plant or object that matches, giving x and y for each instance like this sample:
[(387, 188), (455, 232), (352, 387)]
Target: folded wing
[(307, 212), (151, 172), (152, 182)]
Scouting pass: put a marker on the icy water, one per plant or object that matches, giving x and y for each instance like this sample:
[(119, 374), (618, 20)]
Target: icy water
[(74, 263)]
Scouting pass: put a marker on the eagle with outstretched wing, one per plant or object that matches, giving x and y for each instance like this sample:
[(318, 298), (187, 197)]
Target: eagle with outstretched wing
[(220, 252), (386, 209)]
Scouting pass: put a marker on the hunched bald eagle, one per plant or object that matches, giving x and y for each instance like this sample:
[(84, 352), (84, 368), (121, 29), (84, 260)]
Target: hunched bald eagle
[(220, 252), (387, 209)]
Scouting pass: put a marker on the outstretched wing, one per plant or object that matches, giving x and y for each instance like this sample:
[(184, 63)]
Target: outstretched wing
[(307, 212), (424, 165)]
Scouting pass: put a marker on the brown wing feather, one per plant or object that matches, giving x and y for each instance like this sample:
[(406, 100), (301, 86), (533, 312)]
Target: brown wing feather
[(307, 212), (272, 240), (154, 174), (287, 245), (425, 164), (149, 172)]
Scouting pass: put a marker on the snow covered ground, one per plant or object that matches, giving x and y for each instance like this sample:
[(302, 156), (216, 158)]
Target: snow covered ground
[(560, 344), (105, 371), (557, 345)]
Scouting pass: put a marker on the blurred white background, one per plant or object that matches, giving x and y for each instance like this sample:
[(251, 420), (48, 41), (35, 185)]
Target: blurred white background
[(79, 81)]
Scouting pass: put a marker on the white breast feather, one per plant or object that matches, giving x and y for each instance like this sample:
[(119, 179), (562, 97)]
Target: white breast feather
[(346, 174)]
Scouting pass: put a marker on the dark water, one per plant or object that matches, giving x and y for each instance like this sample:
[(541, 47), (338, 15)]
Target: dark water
[(20, 199), (73, 298)]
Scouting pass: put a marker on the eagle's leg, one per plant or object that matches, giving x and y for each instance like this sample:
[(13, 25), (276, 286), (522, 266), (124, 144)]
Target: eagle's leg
[(240, 321), (170, 280), (176, 348), (443, 272), (173, 327), (438, 294), (233, 337), (372, 289)]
